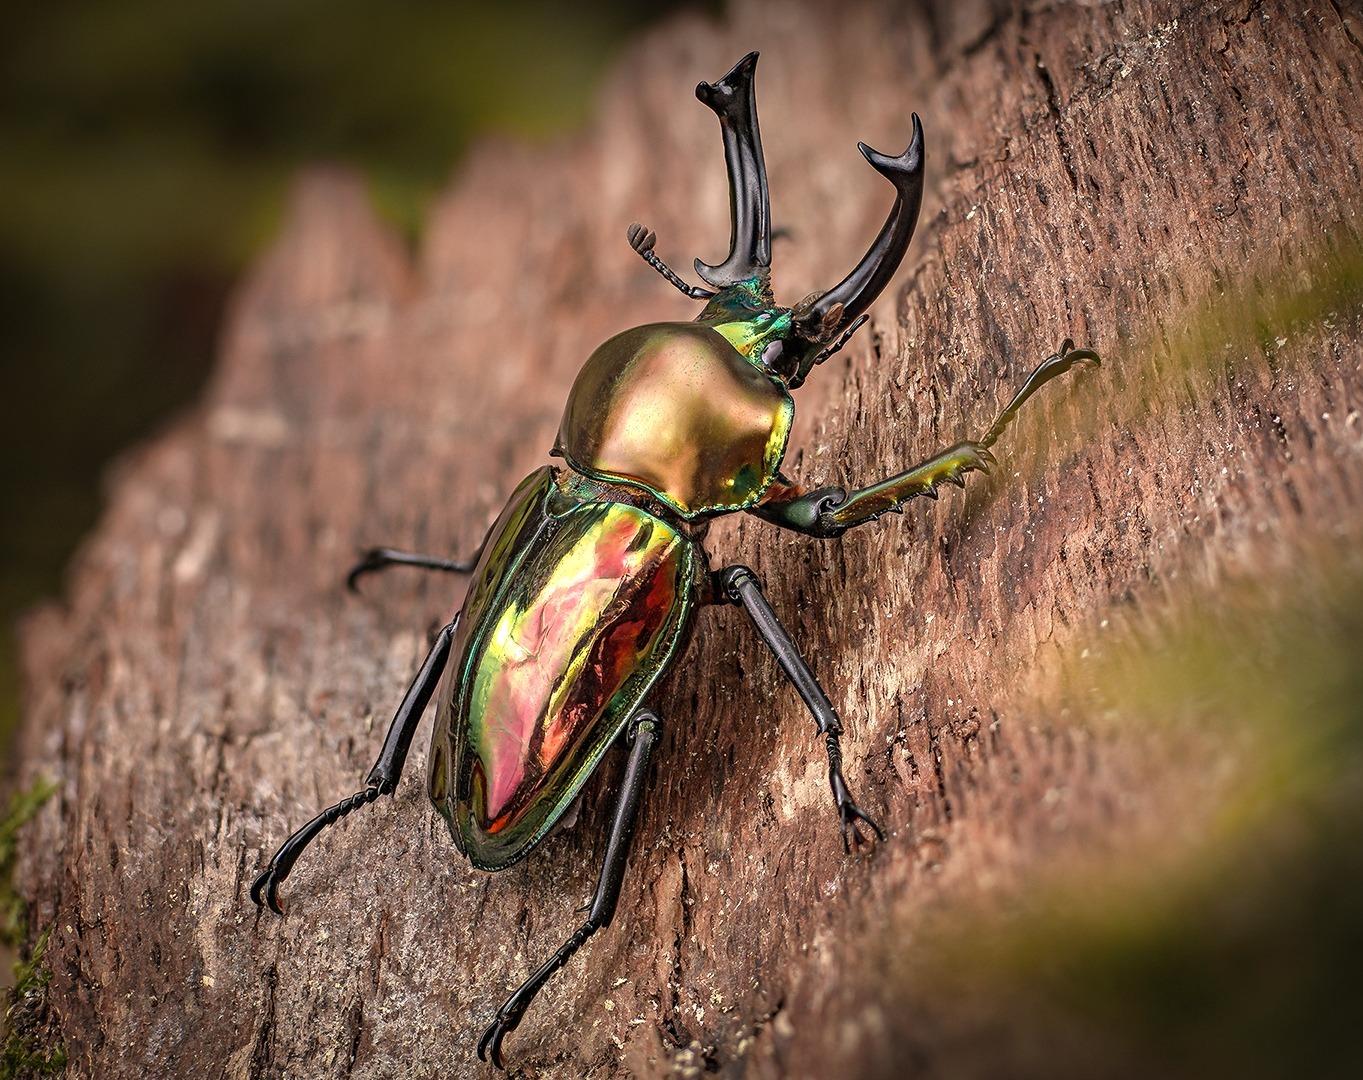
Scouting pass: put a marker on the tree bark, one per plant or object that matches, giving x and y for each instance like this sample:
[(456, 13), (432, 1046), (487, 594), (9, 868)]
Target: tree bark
[(1095, 171)]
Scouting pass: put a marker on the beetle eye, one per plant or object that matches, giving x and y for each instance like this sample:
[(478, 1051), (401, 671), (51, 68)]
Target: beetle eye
[(773, 354)]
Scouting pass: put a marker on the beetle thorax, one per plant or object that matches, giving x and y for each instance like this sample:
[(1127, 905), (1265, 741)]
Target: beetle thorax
[(677, 410)]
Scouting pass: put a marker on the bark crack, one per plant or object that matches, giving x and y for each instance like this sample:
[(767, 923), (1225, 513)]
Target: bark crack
[(1053, 106), (938, 772), (1001, 19), (261, 1054), (1344, 25), (672, 1023)]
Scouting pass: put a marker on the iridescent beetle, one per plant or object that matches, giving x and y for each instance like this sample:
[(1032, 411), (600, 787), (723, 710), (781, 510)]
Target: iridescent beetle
[(584, 590)]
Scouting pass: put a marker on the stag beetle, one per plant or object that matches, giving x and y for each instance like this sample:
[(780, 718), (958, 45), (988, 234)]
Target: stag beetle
[(584, 590)]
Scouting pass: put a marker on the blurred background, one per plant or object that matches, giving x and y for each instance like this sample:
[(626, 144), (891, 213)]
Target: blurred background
[(146, 149)]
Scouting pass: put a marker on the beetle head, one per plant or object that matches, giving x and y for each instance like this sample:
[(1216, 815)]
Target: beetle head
[(789, 342), (752, 322)]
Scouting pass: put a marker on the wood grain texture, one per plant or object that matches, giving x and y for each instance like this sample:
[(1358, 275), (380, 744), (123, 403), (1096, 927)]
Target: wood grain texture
[(1095, 170)]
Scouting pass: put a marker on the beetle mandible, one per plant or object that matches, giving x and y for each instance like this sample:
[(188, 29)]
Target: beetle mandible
[(584, 590)]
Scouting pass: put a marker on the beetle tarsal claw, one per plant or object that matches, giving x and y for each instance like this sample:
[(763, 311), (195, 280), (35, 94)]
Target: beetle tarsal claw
[(967, 458), (267, 883), (852, 836), (490, 1045), (371, 560)]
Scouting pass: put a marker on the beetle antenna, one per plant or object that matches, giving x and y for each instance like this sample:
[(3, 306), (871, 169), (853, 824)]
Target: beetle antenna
[(642, 239)]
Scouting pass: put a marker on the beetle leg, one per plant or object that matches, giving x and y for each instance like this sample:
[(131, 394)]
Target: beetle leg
[(380, 558), (1052, 367), (382, 778), (739, 585), (643, 734), (831, 511)]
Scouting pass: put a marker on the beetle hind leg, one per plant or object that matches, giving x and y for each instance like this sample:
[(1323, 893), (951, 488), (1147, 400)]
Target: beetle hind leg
[(382, 778), (643, 733)]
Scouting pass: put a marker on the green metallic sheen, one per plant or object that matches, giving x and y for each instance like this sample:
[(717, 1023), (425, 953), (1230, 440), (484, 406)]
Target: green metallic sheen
[(684, 411), (751, 336), (575, 609)]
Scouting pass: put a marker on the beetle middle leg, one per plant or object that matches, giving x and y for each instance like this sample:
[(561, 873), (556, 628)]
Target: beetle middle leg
[(382, 779), (380, 558), (643, 732), (739, 585)]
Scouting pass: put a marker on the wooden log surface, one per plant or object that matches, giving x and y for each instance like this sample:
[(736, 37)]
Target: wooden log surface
[(1095, 171)]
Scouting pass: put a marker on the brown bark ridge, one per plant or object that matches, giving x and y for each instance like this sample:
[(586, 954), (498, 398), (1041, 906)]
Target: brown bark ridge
[(1095, 170)]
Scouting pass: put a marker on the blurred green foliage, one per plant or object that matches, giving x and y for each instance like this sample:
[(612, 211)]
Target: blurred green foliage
[(22, 806), (23, 1053), (1226, 944), (144, 148)]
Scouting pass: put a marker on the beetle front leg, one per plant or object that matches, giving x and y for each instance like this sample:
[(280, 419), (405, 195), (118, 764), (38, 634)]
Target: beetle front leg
[(831, 511), (739, 585), (643, 733)]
